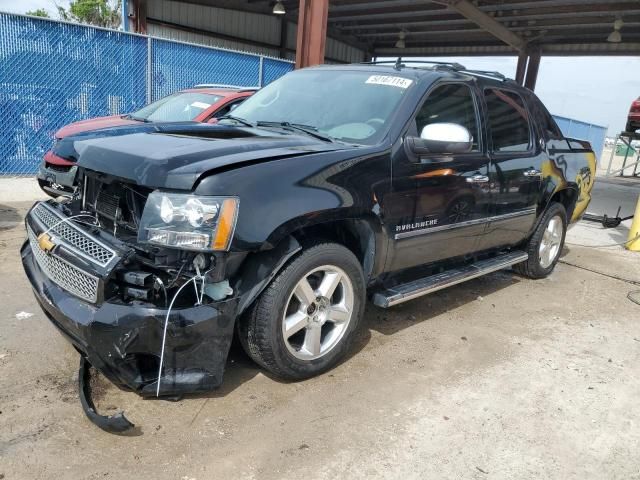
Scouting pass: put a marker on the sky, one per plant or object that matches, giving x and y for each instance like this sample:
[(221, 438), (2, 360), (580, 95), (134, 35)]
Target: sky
[(596, 90), (22, 6)]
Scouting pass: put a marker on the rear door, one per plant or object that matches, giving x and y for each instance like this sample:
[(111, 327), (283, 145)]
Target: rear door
[(515, 173), (439, 203)]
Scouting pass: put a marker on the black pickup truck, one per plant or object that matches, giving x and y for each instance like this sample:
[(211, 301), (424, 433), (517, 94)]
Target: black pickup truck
[(330, 185)]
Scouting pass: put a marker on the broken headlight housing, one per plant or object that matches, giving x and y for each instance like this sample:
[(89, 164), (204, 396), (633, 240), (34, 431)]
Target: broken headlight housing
[(190, 222)]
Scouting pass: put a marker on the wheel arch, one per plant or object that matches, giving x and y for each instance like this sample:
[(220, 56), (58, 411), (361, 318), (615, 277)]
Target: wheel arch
[(359, 235), (567, 197), (362, 236)]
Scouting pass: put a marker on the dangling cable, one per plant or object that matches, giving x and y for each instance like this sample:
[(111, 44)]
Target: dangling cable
[(65, 220)]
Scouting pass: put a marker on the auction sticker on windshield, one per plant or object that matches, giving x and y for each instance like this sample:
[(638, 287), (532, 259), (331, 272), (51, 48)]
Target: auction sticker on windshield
[(200, 105), (389, 80)]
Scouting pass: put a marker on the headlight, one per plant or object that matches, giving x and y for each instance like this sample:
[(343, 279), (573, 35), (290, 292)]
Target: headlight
[(190, 222)]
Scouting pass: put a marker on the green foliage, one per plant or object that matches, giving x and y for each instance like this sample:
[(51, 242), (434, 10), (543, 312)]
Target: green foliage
[(40, 12), (101, 13)]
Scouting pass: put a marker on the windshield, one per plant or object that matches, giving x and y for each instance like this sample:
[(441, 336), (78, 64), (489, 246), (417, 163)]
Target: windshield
[(351, 106), (179, 107)]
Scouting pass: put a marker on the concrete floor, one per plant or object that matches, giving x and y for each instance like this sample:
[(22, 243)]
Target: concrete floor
[(611, 193), (501, 377)]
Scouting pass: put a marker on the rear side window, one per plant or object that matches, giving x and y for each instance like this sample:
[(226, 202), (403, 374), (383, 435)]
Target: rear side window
[(451, 103), (548, 125), (508, 121)]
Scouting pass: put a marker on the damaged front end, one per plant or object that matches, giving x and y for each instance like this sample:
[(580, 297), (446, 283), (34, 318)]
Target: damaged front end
[(110, 294)]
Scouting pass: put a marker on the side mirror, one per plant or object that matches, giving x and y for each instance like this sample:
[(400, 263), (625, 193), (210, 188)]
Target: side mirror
[(212, 120), (441, 138)]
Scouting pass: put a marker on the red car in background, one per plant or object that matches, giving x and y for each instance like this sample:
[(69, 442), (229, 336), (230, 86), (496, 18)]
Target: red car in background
[(203, 104), (633, 120)]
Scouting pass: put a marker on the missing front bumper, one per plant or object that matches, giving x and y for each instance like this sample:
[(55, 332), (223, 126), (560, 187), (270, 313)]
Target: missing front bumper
[(123, 341)]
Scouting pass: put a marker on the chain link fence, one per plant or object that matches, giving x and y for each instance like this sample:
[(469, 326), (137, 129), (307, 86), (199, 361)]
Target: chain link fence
[(54, 73)]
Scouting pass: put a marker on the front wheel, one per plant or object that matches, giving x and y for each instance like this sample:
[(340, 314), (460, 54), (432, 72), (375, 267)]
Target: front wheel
[(304, 321), (545, 245)]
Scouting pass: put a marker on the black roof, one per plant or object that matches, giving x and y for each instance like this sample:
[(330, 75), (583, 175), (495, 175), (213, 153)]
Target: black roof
[(420, 69)]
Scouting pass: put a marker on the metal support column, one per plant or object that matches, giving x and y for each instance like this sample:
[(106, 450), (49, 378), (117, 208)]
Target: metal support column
[(521, 68), (138, 19), (312, 32), (613, 151), (532, 70), (284, 28), (124, 6), (149, 71)]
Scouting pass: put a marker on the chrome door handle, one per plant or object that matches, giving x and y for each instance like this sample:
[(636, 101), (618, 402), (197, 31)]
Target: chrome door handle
[(478, 178), (532, 173)]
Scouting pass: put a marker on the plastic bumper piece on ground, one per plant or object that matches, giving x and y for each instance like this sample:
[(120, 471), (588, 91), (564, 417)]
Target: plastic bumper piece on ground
[(117, 423)]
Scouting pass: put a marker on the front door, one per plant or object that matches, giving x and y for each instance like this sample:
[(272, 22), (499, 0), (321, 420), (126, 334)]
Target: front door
[(439, 203), (516, 168)]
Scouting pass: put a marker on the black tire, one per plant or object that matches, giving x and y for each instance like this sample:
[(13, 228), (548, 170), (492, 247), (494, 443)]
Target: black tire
[(260, 329), (533, 268)]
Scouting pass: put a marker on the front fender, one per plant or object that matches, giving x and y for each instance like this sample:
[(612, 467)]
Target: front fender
[(281, 196)]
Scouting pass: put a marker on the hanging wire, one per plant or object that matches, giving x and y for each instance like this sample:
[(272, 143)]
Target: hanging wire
[(199, 298), (66, 220), (164, 333)]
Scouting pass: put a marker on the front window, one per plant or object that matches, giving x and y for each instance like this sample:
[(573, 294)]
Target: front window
[(352, 106), (179, 107), (451, 103)]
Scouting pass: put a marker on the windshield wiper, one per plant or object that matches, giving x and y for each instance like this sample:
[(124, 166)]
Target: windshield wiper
[(137, 119), (308, 129), (244, 122)]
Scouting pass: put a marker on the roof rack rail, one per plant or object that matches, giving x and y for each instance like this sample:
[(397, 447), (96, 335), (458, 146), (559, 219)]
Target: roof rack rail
[(399, 63), (488, 74)]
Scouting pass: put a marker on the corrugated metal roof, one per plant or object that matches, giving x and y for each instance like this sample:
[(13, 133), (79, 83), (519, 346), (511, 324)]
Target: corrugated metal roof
[(436, 27), (205, 22), (197, 22)]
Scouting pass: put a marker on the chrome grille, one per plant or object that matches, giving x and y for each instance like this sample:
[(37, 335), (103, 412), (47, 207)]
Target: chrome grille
[(73, 236), (67, 276)]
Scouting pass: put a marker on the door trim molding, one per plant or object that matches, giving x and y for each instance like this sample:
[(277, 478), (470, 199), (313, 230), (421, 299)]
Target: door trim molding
[(468, 223)]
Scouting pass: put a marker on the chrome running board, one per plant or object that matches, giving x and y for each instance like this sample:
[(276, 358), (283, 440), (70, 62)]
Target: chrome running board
[(423, 286)]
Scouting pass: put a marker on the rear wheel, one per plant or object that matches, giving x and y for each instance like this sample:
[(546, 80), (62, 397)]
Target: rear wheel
[(304, 321), (545, 244)]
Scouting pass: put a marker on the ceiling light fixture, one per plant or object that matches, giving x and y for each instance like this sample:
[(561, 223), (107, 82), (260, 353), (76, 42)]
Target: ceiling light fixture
[(400, 43), (278, 8), (615, 36)]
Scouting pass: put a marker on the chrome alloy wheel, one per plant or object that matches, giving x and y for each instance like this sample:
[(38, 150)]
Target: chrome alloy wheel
[(550, 243), (318, 312)]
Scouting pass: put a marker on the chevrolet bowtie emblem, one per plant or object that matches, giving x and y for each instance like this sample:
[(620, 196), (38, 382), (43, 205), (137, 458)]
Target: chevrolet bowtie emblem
[(44, 240)]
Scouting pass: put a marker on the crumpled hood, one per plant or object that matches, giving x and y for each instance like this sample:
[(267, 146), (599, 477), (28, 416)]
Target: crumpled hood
[(174, 156)]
